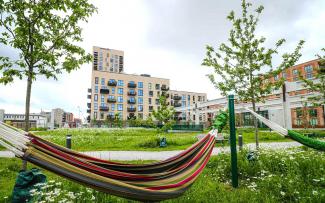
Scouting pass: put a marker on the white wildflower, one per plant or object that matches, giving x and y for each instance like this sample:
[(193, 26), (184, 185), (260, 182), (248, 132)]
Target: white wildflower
[(282, 193)]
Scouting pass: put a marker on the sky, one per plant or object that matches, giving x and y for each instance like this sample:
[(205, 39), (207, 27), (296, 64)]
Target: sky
[(167, 38)]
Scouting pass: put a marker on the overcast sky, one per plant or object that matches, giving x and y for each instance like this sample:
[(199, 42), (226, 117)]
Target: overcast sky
[(167, 38)]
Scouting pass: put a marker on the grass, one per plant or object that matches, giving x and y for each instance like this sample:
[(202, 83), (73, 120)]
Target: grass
[(275, 176)]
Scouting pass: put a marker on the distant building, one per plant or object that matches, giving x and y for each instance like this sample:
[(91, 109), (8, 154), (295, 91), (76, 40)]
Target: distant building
[(57, 118), (2, 114), (18, 120)]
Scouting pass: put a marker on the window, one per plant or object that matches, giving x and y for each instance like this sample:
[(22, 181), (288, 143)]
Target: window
[(150, 93), (95, 106), (140, 92), (120, 83), (149, 86), (96, 80), (313, 112), (199, 98), (132, 99), (157, 101), (157, 86), (284, 75), (102, 98), (140, 100), (120, 91), (140, 84), (276, 78), (120, 99), (188, 97), (101, 115), (140, 108), (113, 107), (96, 89), (102, 81), (113, 90), (120, 107), (149, 100), (95, 115), (309, 72), (313, 121), (96, 97), (183, 97), (140, 115), (183, 103), (295, 74)]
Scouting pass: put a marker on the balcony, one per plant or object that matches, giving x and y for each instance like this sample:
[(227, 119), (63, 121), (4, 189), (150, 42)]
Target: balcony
[(89, 96), (132, 85), (110, 117), (150, 108), (131, 109), (164, 88), (104, 90), (111, 100), (177, 97), (131, 101), (89, 90), (112, 83), (103, 108), (88, 119), (88, 110), (164, 94), (132, 93), (88, 105), (177, 104)]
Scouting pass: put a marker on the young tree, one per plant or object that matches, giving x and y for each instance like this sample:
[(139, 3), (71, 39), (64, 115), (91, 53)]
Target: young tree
[(241, 63), (45, 34), (164, 114)]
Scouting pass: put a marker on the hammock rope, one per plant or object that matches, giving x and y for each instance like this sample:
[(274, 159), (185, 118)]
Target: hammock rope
[(307, 141), (156, 181)]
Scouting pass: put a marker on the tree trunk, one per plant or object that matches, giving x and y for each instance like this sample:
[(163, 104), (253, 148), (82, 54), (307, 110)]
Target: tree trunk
[(256, 127), (27, 102), (27, 107)]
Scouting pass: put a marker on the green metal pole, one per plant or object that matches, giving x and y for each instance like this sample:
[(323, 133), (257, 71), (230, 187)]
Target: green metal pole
[(233, 150)]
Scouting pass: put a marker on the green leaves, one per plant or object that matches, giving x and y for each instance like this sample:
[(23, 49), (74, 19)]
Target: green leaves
[(44, 33), (164, 114)]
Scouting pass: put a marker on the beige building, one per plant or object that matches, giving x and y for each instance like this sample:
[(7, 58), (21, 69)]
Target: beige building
[(113, 91)]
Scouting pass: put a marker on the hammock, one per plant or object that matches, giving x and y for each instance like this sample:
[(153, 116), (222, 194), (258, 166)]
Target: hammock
[(145, 182), (309, 142)]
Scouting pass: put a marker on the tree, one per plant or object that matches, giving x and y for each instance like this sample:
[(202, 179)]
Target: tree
[(164, 114), (245, 64), (45, 33)]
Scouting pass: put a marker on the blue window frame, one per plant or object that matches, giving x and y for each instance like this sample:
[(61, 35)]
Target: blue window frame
[(120, 90), (120, 107), (113, 90), (102, 81), (140, 92), (183, 103), (96, 80), (120, 99), (140, 100), (140, 108), (183, 97), (102, 98), (96, 89), (120, 83), (113, 107), (132, 91), (140, 84), (95, 106), (132, 99), (96, 97)]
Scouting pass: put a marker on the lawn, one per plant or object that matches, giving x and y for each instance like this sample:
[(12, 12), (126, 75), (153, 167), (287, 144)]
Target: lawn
[(137, 139), (295, 175)]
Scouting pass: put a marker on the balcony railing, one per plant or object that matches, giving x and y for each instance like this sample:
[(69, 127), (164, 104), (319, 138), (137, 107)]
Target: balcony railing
[(111, 100), (88, 105), (131, 102), (89, 90), (132, 93), (164, 88), (112, 83), (177, 104), (166, 95), (88, 110), (89, 96), (132, 85), (131, 109), (103, 108), (104, 90), (177, 97)]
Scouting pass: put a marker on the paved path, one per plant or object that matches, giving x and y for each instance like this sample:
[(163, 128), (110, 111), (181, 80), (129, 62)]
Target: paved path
[(152, 155)]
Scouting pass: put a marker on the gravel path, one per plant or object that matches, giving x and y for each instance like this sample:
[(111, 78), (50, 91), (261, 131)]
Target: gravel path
[(153, 155)]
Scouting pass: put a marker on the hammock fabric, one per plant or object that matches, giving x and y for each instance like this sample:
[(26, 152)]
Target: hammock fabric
[(309, 142), (145, 182)]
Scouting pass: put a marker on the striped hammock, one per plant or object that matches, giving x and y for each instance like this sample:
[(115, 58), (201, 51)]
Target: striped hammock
[(145, 182), (309, 142)]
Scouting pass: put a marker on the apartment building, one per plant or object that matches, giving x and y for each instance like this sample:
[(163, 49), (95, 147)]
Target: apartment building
[(184, 99), (18, 120), (285, 106), (131, 96)]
